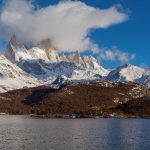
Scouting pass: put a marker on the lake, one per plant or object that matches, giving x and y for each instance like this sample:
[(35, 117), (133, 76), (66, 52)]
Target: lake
[(25, 133)]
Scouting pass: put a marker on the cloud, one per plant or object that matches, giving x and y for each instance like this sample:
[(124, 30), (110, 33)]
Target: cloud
[(114, 54), (67, 25)]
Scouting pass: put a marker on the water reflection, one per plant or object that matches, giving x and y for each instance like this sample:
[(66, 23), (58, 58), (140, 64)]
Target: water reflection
[(23, 133)]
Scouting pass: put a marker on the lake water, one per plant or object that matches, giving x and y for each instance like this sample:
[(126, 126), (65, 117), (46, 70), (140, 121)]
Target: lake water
[(25, 133)]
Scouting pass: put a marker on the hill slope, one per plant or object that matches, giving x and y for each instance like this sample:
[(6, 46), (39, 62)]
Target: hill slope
[(90, 98)]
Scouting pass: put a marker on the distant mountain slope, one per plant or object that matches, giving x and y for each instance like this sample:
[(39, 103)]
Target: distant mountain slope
[(132, 73), (12, 77)]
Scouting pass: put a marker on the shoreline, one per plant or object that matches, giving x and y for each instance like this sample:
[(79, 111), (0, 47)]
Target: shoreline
[(35, 116)]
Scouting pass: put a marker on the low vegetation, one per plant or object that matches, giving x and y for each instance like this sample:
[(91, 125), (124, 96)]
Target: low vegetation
[(86, 99)]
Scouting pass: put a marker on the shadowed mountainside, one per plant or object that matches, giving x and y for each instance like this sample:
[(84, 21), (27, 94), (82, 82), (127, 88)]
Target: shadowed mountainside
[(136, 108)]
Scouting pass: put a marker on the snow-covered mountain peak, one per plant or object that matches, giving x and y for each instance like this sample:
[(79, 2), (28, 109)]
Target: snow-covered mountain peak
[(126, 72), (21, 67), (73, 57), (15, 52), (12, 77), (91, 62), (42, 59), (131, 72)]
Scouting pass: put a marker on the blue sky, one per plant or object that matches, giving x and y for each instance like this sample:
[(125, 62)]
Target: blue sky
[(132, 36)]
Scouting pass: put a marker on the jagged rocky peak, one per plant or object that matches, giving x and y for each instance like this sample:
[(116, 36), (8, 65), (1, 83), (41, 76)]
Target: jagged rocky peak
[(13, 41), (88, 62), (91, 62), (50, 51), (10, 50), (17, 53), (43, 50), (49, 55), (71, 57), (75, 56), (53, 55), (42, 60)]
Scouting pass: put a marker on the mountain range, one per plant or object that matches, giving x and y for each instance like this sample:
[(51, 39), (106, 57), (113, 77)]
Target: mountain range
[(22, 67)]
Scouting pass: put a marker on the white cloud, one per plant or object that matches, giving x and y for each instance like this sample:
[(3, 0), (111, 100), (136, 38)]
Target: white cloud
[(66, 24), (114, 54)]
